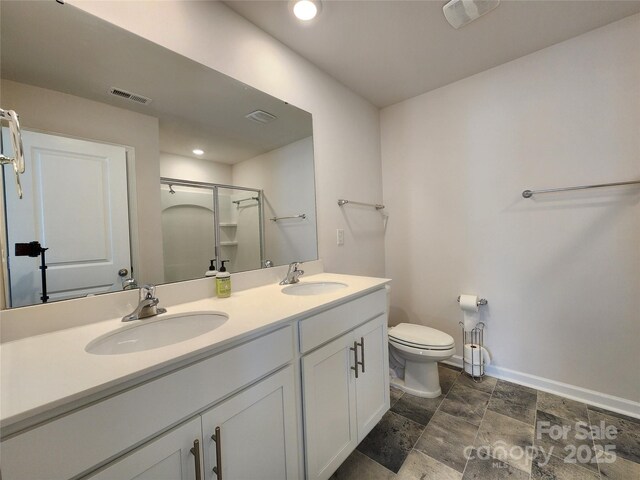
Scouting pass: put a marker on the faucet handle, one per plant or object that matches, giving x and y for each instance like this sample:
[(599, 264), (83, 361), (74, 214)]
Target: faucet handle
[(147, 291)]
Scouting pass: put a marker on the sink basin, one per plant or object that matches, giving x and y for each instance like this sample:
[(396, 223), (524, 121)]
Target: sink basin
[(313, 288), (158, 332)]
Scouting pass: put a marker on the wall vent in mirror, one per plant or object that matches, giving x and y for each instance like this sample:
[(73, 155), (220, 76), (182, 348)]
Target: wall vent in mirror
[(261, 116), (134, 97)]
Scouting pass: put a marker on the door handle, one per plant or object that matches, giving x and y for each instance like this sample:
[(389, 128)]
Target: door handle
[(362, 347), (354, 349), (217, 438), (195, 450)]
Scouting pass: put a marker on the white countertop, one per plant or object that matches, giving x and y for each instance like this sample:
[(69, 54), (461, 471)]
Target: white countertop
[(45, 375)]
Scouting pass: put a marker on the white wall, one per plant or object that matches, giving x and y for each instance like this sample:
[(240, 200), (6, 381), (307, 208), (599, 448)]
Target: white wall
[(561, 272), (194, 169), (284, 175), (345, 126)]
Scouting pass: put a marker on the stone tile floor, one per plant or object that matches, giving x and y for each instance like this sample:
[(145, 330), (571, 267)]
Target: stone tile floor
[(495, 430)]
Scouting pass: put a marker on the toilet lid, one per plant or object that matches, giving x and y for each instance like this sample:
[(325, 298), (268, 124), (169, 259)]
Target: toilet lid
[(420, 335)]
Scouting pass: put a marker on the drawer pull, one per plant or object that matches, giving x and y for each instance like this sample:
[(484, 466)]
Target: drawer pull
[(195, 450), (354, 349), (362, 347), (216, 437)]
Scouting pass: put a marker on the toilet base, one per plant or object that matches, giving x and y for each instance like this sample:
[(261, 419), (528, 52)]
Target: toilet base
[(400, 384)]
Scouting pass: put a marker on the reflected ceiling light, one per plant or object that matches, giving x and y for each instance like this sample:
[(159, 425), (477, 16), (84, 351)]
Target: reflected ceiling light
[(198, 151), (460, 12), (306, 10)]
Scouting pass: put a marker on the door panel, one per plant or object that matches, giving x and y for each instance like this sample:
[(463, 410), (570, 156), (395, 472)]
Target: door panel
[(168, 457), (257, 432), (75, 204), (329, 406), (372, 385)]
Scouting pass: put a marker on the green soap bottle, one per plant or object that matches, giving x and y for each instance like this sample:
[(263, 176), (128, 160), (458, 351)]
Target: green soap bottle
[(223, 284)]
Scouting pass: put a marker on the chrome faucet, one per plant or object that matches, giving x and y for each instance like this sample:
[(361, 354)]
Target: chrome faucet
[(148, 305), (293, 275)]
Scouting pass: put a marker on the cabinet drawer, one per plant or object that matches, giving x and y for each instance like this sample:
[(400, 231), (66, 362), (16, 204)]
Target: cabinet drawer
[(320, 328), (85, 438)]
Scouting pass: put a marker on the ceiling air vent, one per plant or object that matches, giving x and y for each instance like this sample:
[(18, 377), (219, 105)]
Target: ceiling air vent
[(134, 97), (261, 116)]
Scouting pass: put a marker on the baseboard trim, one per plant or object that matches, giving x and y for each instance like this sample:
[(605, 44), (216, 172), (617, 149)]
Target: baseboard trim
[(590, 397)]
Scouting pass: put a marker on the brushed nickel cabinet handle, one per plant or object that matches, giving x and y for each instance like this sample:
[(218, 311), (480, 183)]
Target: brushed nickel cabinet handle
[(216, 437), (195, 450), (354, 349), (362, 347)]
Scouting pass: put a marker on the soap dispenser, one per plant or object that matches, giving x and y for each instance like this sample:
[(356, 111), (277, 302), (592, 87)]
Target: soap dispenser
[(223, 281), (212, 272)]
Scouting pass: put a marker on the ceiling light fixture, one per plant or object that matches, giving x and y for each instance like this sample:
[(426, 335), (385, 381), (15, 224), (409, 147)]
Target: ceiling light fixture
[(198, 151), (460, 12), (306, 10)]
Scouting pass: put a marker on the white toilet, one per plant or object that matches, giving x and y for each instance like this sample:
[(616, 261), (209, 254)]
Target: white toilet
[(416, 349)]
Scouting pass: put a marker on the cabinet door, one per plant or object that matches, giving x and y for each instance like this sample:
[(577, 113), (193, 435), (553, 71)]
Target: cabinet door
[(255, 432), (372, 385), (168, 457), (329, 406)]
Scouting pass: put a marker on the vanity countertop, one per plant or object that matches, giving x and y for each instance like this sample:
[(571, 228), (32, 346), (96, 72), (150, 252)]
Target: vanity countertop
[(45, 375)]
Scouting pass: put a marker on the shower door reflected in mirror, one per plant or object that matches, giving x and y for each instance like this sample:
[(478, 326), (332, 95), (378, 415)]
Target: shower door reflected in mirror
[(240, 227), (188, 231), (209, 222)]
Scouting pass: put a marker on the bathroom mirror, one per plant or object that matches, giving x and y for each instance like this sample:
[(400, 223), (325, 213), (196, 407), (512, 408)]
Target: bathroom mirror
[(135, 158)]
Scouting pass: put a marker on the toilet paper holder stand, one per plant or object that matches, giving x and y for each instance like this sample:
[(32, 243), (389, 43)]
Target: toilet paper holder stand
[(481, 301), (474, 366)]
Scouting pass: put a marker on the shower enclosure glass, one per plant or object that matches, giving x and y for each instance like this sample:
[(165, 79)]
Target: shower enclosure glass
[(203, 222)]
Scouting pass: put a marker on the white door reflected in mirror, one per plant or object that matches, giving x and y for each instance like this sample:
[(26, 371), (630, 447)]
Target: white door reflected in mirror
[(79, 213)]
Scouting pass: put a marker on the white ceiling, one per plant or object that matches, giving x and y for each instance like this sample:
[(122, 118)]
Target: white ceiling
[(388, 51)]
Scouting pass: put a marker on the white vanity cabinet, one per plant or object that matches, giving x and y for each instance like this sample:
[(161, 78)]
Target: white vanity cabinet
[(236, 413), (255, 432), (84, 439), (345, 383)]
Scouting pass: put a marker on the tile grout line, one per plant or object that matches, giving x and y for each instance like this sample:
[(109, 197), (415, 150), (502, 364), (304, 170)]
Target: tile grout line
[(535, 430), (423, 430), (425, 427), (593, 442), (479, 426), (555, 455)]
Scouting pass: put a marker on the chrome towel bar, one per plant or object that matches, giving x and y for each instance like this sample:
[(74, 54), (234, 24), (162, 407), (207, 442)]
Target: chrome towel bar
[(530, 193), (237, 202), (302, 216), (377, 206)]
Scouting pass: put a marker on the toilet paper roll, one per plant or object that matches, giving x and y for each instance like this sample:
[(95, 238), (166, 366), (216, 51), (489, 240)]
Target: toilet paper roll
[(469, 307), (469, 303), (472, 364), (469, 355)]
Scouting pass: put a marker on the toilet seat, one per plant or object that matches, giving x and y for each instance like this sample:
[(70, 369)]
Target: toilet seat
[(420, 337)]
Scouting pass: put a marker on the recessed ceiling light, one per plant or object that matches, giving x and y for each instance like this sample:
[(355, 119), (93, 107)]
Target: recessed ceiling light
[(306, 10), (198, 151)]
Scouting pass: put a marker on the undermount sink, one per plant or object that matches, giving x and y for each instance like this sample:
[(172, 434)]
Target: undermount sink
[(156, 332), (313, 288)]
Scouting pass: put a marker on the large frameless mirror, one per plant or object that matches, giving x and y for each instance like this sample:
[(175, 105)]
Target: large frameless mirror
[(142, 166)]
